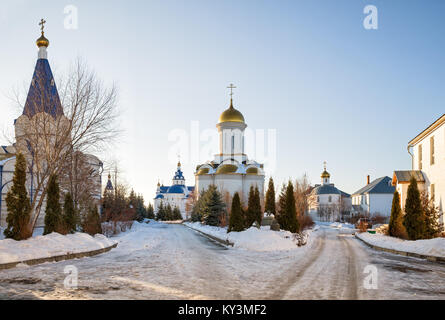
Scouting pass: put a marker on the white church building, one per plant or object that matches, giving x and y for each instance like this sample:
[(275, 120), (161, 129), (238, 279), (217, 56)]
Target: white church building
[(175, 195), (231, 170), (326, 201)]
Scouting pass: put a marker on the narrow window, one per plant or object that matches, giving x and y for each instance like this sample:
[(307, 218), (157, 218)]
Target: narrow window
[(420, 157), (432, 150), (330, 199), (233, 144)]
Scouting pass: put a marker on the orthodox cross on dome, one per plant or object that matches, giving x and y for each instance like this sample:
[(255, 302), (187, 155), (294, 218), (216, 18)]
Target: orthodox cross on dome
[(231, 87), (324, 165), (42, 24)]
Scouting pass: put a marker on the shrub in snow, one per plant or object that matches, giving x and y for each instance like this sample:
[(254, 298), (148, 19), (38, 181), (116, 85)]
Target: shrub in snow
[(213, 206), (433, 225), (301, 238), (253, 213)]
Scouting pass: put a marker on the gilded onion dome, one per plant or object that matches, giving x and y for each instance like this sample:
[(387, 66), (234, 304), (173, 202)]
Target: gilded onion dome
[(325, 174), (42, 41), (231, 115)]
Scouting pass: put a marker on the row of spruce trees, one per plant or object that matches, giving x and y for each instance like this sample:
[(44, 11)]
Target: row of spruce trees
[(211, 210), (62, 219), (421, 219), (61, 215), (167, 213)]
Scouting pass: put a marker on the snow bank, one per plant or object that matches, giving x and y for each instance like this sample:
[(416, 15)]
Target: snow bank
[(432, 247), (50, 245), (253, 239)]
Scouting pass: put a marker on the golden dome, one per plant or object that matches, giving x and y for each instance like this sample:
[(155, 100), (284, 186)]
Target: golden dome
[(231, 115), (203, 171), (325, 174), (227, 169), (252, 170), (42, 41)]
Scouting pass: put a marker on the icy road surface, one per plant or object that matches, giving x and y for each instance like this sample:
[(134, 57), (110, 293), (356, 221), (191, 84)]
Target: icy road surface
[(160, 261)]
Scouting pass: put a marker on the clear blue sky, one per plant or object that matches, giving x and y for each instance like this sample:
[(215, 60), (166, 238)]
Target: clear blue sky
[(333, 90)]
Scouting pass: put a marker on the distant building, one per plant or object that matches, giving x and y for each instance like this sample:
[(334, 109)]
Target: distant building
[(175, 195), (326, 202), (374, 198), (427, 150)]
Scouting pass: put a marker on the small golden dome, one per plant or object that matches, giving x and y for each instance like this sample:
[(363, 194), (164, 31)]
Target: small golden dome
[(42, 41), (227, 169), (325, 174), (231, 115)]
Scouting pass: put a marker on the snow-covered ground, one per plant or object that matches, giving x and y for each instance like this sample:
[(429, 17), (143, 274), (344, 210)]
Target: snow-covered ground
[(50, 245), (253, 238), (432, 247), (169, 261)]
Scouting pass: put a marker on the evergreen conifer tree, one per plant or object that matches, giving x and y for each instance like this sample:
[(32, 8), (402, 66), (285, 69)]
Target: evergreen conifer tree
[(168, 212), (213, 206), (414, 219), (150, 212), (433, 224), (396, 228), (258, 211), (92, 224), (236, 219), (69, 214), (288, 212), (251, 208), (53, 212), (269, 205), (161, 212), (177, 214), (18, 204)]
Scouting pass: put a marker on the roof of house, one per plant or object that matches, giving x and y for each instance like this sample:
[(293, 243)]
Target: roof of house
[(405, 176), (436, 124), (380, 185), (325, 189)]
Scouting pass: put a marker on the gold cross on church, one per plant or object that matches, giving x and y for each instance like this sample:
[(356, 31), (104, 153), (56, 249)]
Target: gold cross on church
[(231, 87), (42, 24)]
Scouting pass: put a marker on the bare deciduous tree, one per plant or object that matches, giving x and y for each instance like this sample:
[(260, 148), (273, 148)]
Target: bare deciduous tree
[(50, 137)]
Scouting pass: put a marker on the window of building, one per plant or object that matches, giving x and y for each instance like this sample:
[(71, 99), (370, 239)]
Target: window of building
[(432, 150), (420, 157), (330, 199), (433, 192), (233, 144)]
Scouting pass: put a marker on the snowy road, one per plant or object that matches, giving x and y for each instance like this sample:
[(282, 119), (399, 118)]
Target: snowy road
[(160, 261)]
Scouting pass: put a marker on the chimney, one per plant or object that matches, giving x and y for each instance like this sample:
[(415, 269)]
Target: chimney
[(368, 178)]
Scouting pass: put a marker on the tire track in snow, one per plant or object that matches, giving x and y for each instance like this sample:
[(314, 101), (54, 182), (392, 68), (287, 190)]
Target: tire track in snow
[(281, 292)]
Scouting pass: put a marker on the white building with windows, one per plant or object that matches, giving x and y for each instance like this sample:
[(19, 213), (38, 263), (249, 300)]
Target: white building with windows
[(427, 150), (375, 198), (231, 170)]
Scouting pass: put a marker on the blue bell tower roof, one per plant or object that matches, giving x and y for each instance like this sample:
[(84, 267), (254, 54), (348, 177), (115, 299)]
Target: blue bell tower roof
[(42, 94)]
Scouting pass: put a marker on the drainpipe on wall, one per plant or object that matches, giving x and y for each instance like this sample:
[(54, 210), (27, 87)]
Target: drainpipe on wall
[(412, 157)]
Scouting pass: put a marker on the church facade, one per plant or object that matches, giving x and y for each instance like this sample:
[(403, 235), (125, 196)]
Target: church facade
[(231, 170), (175, 195), (42, 106), (326, 202)]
